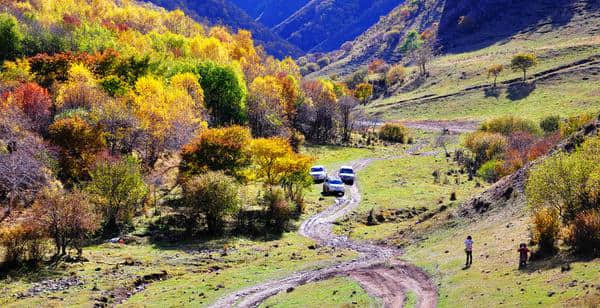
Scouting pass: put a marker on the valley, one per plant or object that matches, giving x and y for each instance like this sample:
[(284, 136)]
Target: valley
[(160, 153)]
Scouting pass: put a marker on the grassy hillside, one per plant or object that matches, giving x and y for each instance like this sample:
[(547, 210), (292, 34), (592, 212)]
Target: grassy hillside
[(458, 86)]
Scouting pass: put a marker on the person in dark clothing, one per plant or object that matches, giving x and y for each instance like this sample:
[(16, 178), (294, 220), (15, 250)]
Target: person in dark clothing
[(523, 255), (469, 250)]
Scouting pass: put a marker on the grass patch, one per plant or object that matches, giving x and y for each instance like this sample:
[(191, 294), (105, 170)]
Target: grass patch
[(336, 292)]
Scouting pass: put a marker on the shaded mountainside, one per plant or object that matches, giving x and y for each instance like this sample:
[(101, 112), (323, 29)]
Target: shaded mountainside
[(270, 12), (465, 25), (325, 25), (223, 12)]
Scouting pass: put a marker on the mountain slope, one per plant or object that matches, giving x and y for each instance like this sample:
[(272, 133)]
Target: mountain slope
[(325, 25), (226, 13), (270, 12), (467, 26)]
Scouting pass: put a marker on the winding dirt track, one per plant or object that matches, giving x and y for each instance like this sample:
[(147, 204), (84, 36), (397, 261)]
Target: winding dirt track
[(376, 269)]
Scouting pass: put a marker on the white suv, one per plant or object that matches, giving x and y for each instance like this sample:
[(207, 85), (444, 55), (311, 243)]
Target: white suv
[(318, 173), (347, 175), (334, 186)]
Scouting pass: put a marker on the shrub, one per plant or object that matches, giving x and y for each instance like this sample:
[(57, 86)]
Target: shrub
[(584, 233), (312, 67), (117, 188), (509, 125), (378, 66), (394, 133), (396, 75), (322, 62), (546, 228), (67, 218), (279, 211), (35, 102), (392, 36), (574, 124), (23, 241), (491, 171), (11, 38), (550, 124), (218, 149), (486, 146), (212, 195)]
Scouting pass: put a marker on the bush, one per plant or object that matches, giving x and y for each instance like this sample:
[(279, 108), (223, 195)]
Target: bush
[(491, 171), (485, 145), (550, 124), (394, 133), (509, 125), (23, 241), (546, 228), (584, 233), (279, 211), (117, 188), (213, 196), (312, 67), (218, 149), (67, 218), (574, 124), (322, 62), (396, 75), (11, 38)]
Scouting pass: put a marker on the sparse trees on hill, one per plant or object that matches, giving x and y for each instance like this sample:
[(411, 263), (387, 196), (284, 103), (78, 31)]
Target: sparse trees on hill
[(523, 62), (422, 55)]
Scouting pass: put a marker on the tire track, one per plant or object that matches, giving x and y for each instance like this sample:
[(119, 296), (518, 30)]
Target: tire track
[(376, 269)]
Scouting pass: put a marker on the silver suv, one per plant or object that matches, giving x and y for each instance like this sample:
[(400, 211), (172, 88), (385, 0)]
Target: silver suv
[(318, 173), (334, 186), (347, 175)]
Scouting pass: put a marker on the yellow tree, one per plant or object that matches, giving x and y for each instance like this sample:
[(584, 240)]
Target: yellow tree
[(166, 114), (495, 71), (266, 155)]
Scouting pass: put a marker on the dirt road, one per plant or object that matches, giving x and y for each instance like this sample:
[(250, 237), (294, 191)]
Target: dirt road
[(377, 268)]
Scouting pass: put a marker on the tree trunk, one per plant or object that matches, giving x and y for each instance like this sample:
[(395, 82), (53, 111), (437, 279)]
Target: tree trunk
[(524, 75)]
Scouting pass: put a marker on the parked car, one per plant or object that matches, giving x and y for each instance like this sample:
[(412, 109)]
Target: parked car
[(318, 173), (334, 186), (347, 175)]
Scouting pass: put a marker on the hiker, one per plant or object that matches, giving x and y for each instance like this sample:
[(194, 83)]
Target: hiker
[(469, 250), (523, 254)]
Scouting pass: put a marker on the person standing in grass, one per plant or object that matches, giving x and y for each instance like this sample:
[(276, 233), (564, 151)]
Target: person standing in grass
[(469, 250), (523, 254)]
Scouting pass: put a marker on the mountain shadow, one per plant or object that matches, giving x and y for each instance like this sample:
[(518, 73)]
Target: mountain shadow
[(469, 25)]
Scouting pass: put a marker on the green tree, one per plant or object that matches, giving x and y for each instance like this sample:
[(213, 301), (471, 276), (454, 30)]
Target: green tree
[(224, 93), (117, 188), (11, 38), (523, 62), (212, 195)]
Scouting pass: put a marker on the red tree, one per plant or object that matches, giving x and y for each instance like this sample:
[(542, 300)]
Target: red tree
[(34, 101)]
